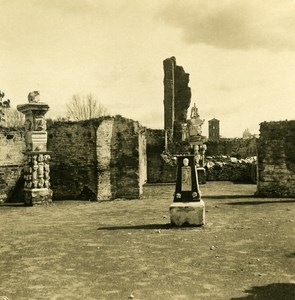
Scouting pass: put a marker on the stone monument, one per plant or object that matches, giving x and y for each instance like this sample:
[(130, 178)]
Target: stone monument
[(36, 170), (187, 209), (196, 141)]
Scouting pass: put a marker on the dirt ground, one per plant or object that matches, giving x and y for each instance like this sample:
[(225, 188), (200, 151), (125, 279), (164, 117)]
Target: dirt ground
[(126, 249)]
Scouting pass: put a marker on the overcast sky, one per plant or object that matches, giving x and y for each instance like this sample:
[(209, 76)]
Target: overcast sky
[(240, 55)]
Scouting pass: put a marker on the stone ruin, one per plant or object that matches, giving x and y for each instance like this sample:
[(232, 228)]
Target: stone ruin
[(177, 99), (112, 157), (182, 135), (276, 159), (98, 159)]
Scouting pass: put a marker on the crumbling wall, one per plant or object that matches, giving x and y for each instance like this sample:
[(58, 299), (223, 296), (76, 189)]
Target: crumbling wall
[(97, 159), (73, 173), (127, 158), (157, 170), (240, 148), (177, 99), (12, 144), (276, 159)]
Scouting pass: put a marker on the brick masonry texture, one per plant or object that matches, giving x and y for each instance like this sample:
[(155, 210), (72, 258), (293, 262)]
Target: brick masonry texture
[(99, 159), (177, 99), (276, 159), (11, 163), (157, 170)]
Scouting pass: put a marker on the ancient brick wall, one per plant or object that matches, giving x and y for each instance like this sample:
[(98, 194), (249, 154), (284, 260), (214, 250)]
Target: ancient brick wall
[(97, 159), (276, 159), (240, 148), (73, 172), (157, 170), (11, 163), (127, 158), (177, 99)]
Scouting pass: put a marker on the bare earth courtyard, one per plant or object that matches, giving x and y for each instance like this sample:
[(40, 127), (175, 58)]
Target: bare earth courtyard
[(127, 249)]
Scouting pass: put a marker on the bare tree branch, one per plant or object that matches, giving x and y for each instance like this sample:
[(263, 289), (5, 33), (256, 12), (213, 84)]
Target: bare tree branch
[(84, 108)]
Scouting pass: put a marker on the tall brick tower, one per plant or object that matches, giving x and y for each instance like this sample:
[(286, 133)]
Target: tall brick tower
[(214, 129)]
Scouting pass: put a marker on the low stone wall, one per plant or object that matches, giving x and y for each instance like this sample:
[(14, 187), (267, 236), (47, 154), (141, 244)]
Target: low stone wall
[(160, 172), (276, 159), (12, 145), (240, 148), (242, 173)]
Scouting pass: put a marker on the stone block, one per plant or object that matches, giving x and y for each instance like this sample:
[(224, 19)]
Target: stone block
[(187, 213), (37, 196)]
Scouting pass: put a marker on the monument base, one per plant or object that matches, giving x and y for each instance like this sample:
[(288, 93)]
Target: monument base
[(42, 196), (187, 213), (201, 175)]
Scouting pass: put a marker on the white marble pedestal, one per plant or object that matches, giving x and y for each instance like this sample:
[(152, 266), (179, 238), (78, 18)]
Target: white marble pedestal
[(187, 213)]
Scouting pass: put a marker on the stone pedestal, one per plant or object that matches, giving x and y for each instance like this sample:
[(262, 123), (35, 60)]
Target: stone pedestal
[(39, 196), (187, 209), (187, 213), (36, 170)]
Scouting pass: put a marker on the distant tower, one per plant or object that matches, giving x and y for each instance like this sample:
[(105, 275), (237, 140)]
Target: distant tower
[(214, 129)]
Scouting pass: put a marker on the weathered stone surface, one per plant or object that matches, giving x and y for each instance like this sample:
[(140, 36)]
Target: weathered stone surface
[(97, 159), (37, 196), (104, 156), (237, 147), (236, 172), (157, 170), (169, 92), (12, 144), (276, 159), (177, 99), (187, 213)]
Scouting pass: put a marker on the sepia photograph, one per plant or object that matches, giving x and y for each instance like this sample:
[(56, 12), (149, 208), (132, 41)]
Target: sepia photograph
[(147, 149)]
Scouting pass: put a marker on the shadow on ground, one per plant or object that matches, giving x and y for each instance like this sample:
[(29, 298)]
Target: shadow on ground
[(228, 196), (149, 226), (144, 226), (291, 255), (259, 202), (274, 291)]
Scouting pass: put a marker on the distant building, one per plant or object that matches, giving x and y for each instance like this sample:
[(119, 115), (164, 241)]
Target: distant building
[(247, 134), (214, 129)]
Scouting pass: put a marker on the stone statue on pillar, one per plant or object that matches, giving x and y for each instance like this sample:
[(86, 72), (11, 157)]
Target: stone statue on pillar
[(36, 171)]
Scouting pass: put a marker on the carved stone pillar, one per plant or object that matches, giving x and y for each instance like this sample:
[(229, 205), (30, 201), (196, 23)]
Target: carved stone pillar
[(36, 171)]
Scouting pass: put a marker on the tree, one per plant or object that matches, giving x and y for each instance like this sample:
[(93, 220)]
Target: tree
[(14, 118), (83, 107)]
